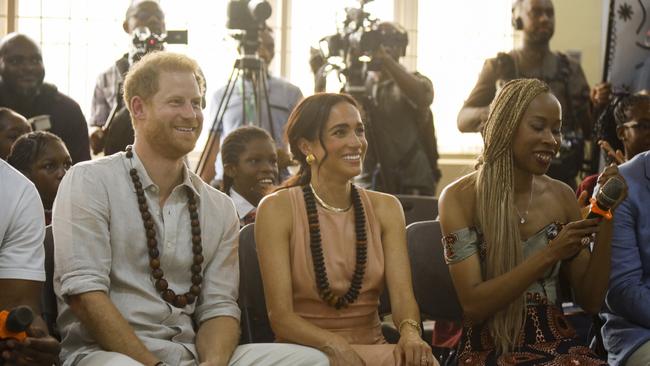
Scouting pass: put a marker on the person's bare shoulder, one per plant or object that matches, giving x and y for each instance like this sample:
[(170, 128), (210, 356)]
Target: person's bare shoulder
[(382, 200), (276, 207), (457, 203), (386, 207)]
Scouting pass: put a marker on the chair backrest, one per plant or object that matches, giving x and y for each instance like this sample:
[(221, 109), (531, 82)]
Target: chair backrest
[(48, 298), (432, 285), (418, 208), (255, 324)]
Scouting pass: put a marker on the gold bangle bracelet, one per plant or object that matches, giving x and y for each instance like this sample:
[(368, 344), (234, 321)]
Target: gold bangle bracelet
[(412, 323)]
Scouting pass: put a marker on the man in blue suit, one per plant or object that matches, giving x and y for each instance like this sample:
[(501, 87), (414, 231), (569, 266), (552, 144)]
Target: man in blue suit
[(626, 333)]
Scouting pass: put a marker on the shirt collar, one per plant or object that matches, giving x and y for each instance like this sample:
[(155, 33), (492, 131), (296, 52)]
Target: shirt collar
[(190, 180), (241, 204)]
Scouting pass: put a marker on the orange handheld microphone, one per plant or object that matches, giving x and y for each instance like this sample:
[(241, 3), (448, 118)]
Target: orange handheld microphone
[(14, 323), (606, 197)]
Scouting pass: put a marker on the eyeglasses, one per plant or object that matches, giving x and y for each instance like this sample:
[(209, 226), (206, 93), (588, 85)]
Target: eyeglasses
[(644, 126)]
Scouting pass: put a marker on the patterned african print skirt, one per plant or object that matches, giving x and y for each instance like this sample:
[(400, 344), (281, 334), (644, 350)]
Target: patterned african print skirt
[(547, 339)]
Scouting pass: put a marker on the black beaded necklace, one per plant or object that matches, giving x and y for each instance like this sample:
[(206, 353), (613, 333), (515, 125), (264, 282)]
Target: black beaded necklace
[(179, 301), (322, 283)]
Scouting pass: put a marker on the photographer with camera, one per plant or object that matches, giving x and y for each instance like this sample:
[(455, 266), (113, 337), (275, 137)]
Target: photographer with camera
[(395, 103), (106, 97), (231, 109), (282, 97), (534, 59), (404, 156)]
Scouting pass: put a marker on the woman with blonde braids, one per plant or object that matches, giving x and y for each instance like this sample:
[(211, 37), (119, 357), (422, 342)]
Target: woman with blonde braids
[(510, 231)]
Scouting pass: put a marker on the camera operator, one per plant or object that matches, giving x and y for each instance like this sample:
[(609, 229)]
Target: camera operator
[(534, 59), (401, 122), (106, 96), (282, 96)]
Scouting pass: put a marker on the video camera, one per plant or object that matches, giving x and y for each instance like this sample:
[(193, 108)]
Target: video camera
[(145, 41), (354, 45), (248, 16)]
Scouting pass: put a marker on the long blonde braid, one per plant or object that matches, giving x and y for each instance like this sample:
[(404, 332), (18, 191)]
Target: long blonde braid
[(495, 199)]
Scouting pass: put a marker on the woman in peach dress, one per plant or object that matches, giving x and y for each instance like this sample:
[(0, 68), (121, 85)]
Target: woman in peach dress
[(327, 248)]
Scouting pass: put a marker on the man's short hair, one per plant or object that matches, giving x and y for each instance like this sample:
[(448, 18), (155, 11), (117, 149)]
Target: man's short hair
[(133, 8), (142, 78)]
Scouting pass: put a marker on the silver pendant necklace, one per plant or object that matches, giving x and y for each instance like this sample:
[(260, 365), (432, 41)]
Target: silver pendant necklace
[(524, 217)]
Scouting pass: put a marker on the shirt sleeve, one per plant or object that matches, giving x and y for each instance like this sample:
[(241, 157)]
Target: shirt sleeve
[(220, 288), (428, 87), (21, 251), (79, 147), (485, 88), (295, 98), (99, 109), (80, 223), (629, 294)]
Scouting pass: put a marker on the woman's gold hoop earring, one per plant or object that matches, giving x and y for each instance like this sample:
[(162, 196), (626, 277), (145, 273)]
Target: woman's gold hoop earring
[(310, 159)]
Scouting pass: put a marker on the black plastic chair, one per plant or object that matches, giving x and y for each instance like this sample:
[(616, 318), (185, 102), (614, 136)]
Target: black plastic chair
[(255, 324), (48, 298), (432, 285), (418, 208)]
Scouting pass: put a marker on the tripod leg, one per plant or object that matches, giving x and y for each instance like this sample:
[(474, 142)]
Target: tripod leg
[(256, 99), (265, 87), (225, 99), (205, 167), (243, 98)]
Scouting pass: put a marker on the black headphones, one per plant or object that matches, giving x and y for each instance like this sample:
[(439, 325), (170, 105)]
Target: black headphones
[(517, 23)]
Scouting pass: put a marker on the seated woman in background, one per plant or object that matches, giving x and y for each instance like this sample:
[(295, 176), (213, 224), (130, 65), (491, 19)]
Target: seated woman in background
[(624, 130), (327, 248), (250, 162), (12, 126), (43, 158), (510, 231)]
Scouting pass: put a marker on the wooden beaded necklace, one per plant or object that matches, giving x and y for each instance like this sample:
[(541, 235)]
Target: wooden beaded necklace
[(318, 260), (162, 286)]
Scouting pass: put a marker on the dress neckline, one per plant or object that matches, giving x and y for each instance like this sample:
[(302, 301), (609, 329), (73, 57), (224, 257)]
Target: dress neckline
[(552, 226)]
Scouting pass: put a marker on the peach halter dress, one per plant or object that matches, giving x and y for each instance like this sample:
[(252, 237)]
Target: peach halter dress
[(359, 323)]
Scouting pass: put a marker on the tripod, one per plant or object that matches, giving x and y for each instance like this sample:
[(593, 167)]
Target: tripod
[(248, 67)]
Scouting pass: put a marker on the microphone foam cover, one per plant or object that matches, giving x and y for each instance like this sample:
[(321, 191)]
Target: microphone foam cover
[(610, 192), (19, 319)]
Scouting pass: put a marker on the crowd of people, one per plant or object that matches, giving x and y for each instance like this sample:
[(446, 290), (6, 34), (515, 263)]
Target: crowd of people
[(145, 250)]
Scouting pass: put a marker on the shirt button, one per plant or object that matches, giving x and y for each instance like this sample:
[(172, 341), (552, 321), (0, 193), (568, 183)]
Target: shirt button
[(169, 244)]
